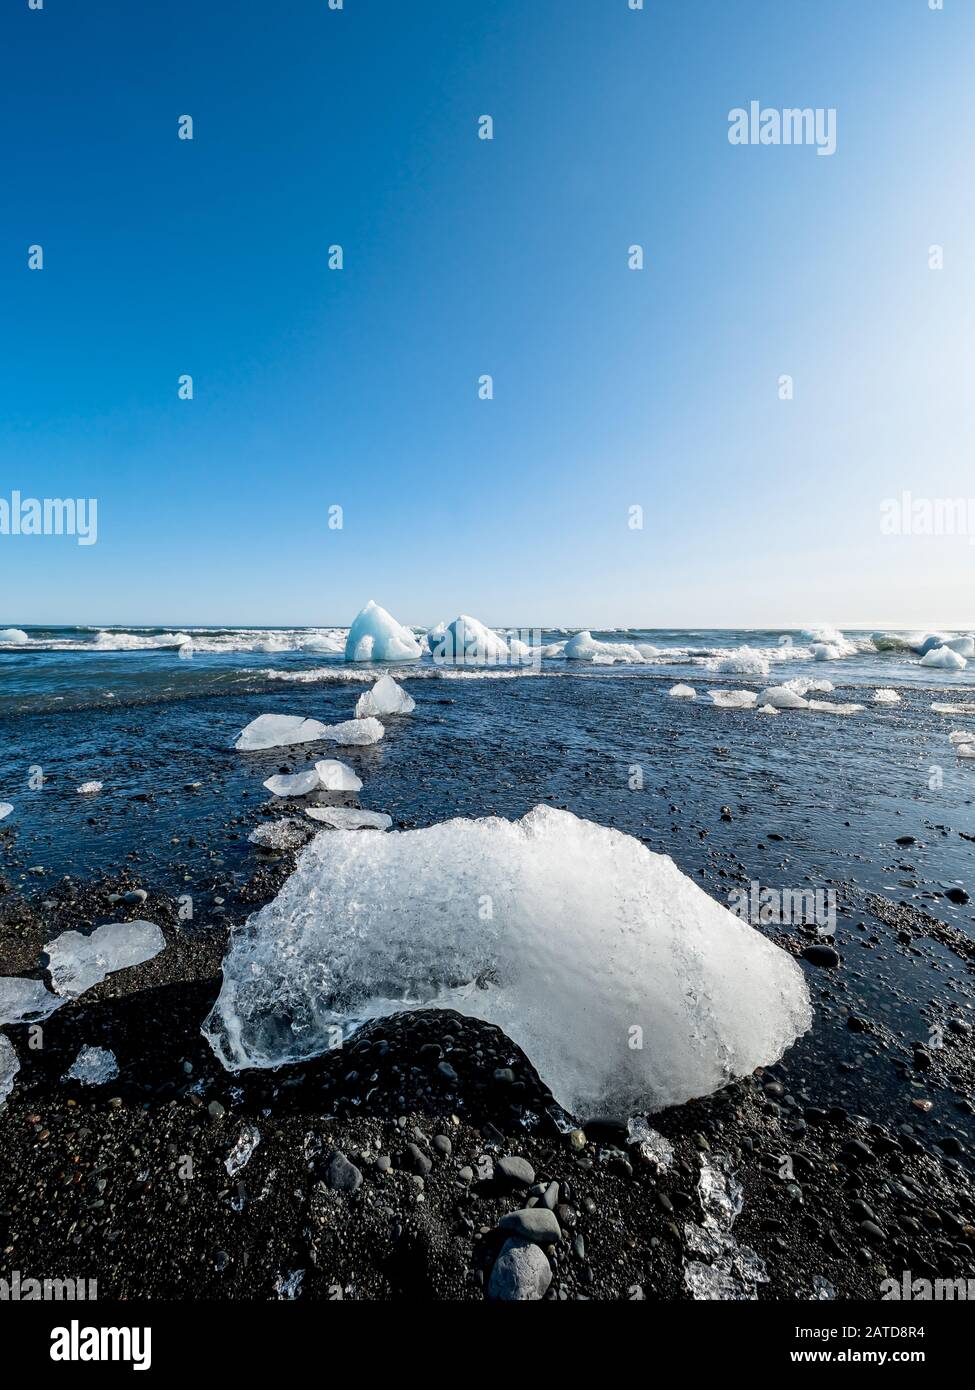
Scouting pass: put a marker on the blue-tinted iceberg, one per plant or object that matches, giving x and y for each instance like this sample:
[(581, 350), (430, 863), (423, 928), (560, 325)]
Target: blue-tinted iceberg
[(467, 641), (626, 984), (377, 636)]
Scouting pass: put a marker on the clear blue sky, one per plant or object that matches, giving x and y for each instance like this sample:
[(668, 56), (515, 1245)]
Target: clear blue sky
[(462, 257)]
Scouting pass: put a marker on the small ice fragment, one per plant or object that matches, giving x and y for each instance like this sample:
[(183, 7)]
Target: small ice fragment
[(654, 1147), (827, 707), (279, 834), (746, 661), (337, 776), (6, 808), (347, 818), (323, 642), (953, 709), (13, 636), (886, 696), (584, 647), (961, 736), (767, 709), (825, 651), (822, 1289), (682, 692), (26, 1001), (965, 750), (78, 962), (242, 1152), (733, 1272), (354, 733), (385, 697), (944, 659), (964, 646), (87, 788), (375, 635), (297, 784), (783, 697), (288, 1286), (278, 731), (93, 1066), (733, 699), (9, 1067)]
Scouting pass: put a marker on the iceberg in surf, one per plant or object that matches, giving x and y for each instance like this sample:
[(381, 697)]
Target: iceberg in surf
[(886, 696), (278, 731), (584, 647), (375, 635), (682, 692), (385, 697), (6, 809), (13, 636), (733, 699), (467, 640), (79, 962), (943, 659), (591, 940), (783, 697)]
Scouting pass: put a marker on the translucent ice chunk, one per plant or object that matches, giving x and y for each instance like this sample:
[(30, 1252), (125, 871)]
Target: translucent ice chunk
[(588, 935), (295, 784), (337, 777), (885, 696), (9, 1067), (26, 1001), (6, 809), (13, 636), (89, 788), (682, 692), (93, 1066), (278, 731), (829, 707), (78, 962), (354, 732), (375, 635), (783, 697), (385, 697), (279, 834), (733, 699), (242, 1152), (347, 818)]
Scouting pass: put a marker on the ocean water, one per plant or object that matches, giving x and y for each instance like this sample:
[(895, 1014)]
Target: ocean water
[(50, 667)]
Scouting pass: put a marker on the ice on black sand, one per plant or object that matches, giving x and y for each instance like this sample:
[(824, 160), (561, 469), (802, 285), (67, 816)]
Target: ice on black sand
[(78, 962)]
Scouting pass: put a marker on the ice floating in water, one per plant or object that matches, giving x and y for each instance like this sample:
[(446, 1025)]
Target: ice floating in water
[(89, 788), (682, 692), (375, 635), (783, 697), (348, 818), (944, 659), (767, 709), (242, 1152), (885, 696), (385, 697), (733, 699), (93, 1066), (6, 809), (78, 962), (584, 647), (964, 646), (354, 733), (13, 636), (589, 936), (953, 709), (965, 750), (466, 640), (322, 642), (825, 651), (929, 643), (9, 1067), (278, 731), (961, 736), (828, 707), (26, 1001), (279, 834), (295, 784), (337, 777)]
